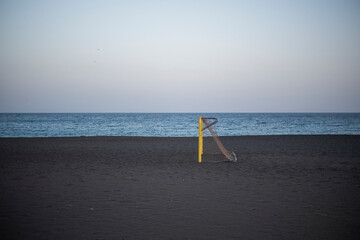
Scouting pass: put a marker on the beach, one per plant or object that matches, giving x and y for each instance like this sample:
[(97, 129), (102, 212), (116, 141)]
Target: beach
[(282, 187)]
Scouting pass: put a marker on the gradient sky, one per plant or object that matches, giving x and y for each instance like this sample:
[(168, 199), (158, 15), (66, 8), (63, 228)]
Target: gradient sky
[(180, 56)]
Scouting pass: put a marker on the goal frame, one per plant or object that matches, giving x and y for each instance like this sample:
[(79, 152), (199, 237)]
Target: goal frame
[(201, 141)]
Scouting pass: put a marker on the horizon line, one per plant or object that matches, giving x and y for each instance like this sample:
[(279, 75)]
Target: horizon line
[(313, 112)]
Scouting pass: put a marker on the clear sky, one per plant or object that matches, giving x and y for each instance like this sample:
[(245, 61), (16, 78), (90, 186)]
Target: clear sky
[(180, 56)]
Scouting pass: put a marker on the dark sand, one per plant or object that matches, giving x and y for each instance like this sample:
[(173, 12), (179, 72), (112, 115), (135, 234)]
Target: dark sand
[(283, 187)]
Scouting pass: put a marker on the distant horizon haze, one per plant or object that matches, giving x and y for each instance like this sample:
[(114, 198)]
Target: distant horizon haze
[(180, 56)]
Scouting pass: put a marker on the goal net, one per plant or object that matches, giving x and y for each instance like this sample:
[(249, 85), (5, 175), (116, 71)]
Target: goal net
[(211, 149)]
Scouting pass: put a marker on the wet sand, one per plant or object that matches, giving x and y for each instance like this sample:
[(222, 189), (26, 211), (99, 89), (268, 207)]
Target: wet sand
[(282, 187)]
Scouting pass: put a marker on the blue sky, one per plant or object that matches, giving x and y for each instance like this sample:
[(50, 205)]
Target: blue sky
[(180, 56)]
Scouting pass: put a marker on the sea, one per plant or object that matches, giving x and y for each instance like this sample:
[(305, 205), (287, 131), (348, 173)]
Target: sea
[(175, 124)]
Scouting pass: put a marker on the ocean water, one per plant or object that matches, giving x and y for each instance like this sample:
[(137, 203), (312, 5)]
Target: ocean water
[(174, 124)]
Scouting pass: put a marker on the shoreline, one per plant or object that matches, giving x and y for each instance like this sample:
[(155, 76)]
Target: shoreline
[(237, 136)]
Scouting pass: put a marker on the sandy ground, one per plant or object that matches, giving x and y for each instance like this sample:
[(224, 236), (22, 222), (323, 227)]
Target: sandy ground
[(282, 187)]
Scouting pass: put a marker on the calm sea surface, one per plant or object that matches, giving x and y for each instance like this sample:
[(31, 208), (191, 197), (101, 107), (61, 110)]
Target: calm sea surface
[(174, 124)]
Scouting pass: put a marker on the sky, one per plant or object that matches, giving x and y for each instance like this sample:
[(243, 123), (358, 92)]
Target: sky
[(180, 56)]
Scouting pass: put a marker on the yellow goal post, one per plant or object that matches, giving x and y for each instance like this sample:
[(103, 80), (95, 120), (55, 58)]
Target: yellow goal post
[(207, 123)]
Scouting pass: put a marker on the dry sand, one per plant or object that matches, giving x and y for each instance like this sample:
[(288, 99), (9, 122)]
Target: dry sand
[(282, 187)]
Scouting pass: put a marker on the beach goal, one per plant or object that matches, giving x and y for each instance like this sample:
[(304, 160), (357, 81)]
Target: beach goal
[(212, 143)]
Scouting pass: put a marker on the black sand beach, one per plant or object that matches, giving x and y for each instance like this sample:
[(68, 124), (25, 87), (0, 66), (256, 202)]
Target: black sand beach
[(282, 187)]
